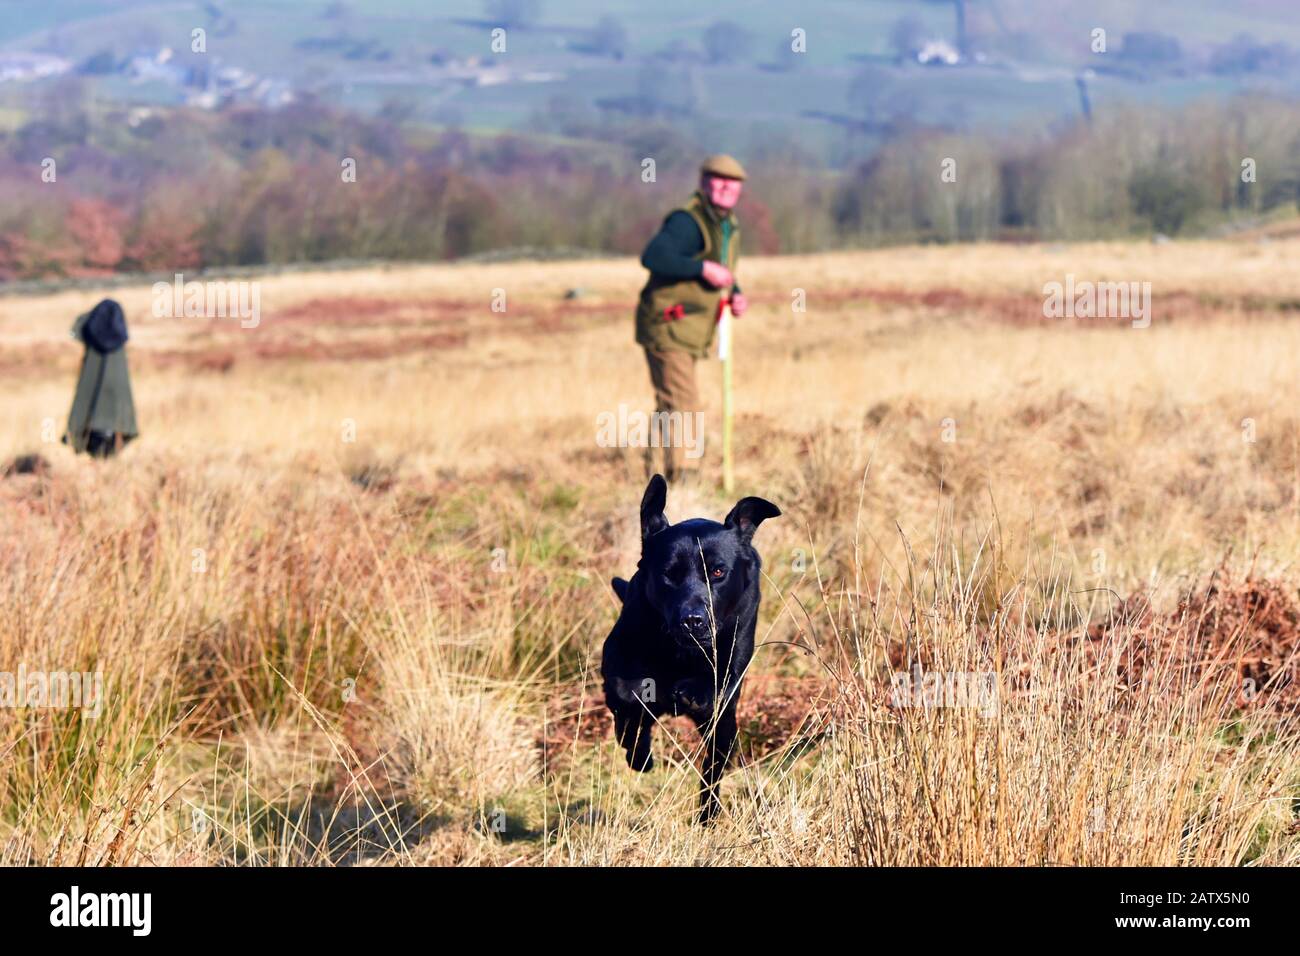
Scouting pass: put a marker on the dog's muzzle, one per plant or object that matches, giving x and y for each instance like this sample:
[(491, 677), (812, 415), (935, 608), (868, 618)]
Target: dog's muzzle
[(693, 631)]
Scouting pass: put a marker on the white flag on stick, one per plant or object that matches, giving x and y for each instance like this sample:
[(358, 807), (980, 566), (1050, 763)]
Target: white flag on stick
[(724, 353)]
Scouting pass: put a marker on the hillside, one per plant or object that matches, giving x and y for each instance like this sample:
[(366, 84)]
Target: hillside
[(433, 63)]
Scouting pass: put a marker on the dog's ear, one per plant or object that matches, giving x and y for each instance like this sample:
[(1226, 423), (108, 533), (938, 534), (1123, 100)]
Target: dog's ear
[(620, 589), (748, 514), (652, 507)]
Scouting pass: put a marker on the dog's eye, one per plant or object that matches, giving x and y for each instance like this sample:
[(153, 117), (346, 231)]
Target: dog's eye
[(718, 572)]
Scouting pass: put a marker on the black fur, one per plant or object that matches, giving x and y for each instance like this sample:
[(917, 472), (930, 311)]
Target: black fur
[(684, 638)]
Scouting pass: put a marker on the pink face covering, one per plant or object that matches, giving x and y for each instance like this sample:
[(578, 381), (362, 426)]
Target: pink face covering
[(722, 192)]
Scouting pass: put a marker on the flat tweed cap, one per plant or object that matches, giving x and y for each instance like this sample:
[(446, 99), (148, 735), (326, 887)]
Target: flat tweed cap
[(723, 165)]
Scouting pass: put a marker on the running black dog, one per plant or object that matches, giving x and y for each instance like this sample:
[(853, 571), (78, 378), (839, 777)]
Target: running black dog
[(683, 641)]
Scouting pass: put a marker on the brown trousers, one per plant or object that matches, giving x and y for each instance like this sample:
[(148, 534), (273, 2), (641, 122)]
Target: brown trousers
[(672, 372)]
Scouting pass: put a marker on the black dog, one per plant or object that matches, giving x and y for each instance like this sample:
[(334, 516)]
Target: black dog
[(683, 641)]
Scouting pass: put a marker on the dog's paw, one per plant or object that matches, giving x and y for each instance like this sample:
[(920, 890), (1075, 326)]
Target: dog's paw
[(691, 697)]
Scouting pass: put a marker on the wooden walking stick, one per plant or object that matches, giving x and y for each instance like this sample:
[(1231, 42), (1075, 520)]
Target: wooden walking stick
[(724, 355)]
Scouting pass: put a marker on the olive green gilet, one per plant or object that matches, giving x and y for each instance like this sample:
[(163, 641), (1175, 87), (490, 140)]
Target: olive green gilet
[(694, 331)]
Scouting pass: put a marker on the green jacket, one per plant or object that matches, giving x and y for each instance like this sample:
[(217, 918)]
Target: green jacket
[(698, 301), (103, 401)]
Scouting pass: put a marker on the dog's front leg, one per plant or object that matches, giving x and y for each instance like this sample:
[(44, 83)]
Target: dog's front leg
[(719, 742), (632, 728)]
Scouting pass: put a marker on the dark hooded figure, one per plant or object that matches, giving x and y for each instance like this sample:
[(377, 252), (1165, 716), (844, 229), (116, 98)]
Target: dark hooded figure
[(103, 414)]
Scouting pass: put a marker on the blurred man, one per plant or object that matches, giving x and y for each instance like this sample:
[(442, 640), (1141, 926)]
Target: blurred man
[(692, 262)]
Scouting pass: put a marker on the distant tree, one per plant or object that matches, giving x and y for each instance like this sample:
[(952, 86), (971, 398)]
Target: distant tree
[(877, 98), (1166, 199), (906, 36), (1242, 54), (219, 22), (650, 91), (567, 114), (609, 38), (96, 227), (397, 110), (514, 13), (726, 41), (1150, 48), (25, 257), (99, 64), (867, 91), (784, 57), (962, 38), (59, 118), (675, 93), (165, 234)]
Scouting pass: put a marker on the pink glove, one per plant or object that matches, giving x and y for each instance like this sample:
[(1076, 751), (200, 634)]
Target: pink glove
[(716, 275)]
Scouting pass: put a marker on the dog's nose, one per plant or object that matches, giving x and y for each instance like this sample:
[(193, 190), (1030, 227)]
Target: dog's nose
[(695, 623)]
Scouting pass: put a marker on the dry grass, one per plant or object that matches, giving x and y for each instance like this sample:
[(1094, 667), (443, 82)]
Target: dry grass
[(383, 651)]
